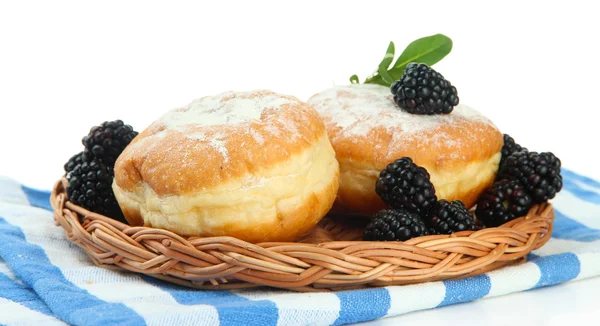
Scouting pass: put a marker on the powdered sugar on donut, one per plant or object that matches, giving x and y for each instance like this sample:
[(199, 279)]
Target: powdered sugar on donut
[(359, 108), (231, 109), (216, 141), (226, 108)]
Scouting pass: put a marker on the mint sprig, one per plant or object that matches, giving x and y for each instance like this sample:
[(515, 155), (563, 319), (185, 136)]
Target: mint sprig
[(428, 50)]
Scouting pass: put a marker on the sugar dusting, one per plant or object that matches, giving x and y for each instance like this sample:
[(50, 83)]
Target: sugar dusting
[(216, 141), (258, 137), (219, 144), (232, 109), (358, 109), (223, 109)]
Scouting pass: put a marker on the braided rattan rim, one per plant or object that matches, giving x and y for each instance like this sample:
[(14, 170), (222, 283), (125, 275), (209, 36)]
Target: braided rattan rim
[(316, 263)]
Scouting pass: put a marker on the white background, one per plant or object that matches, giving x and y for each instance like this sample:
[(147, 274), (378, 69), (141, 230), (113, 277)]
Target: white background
[(65, 66), (532, 67)]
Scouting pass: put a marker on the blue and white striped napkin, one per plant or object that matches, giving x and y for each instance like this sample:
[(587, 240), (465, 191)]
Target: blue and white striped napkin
[(46, 280)]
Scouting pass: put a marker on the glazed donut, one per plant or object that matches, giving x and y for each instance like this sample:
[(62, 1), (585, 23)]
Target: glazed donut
[(255, 165), (460, 150)]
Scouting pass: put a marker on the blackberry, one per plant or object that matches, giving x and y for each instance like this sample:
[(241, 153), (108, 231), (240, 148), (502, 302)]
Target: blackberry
[(448, 217), (503, 201), (394, 225), (403, 184), (75, 160), (108, 140), (539, 173), (90, 186), (510, 147), (422, 90)]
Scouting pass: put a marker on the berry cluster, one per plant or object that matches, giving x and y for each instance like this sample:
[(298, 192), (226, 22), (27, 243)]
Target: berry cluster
[(90, 173), (510, 147), (447, 217), (108, 140), (503, 201), (524, 178), (405, 185), (393, 224), (422, 90), (415, 210)]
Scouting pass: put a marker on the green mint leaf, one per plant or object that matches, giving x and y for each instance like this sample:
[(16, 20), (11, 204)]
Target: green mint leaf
[(376, 79), (428, 50), (385, 64), (354, 79)]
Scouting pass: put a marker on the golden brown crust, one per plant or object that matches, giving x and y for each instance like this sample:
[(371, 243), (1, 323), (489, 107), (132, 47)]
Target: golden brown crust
[(367, 131), (132, 215), (478, 142), (173, 163), (270, 178)]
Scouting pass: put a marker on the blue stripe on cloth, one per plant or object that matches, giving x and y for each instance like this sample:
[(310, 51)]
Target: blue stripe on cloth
[(37, 198), (557, 268), (532, 257), (362, 305), (583, 194), (232, 309), (569, 229), (67, 301), (466, 289), (19, 293), (588, 181)]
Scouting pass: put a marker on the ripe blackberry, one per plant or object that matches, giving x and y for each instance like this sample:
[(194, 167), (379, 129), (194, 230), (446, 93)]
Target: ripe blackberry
[(394, 225), (403, 184), (89, 186), (108, 140), (422, 90), (503, 201), (75, 160), (538, 173), (510, 147), (448, 217)]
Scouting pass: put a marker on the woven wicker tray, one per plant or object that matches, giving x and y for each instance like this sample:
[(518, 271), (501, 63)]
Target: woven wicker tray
[(329, 257)]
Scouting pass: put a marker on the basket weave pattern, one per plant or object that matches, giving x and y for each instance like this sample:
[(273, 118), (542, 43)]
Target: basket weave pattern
[(330, 257)]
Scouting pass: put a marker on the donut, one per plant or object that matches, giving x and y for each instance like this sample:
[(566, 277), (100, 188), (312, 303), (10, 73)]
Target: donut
[(460, 150), (253, 165)]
